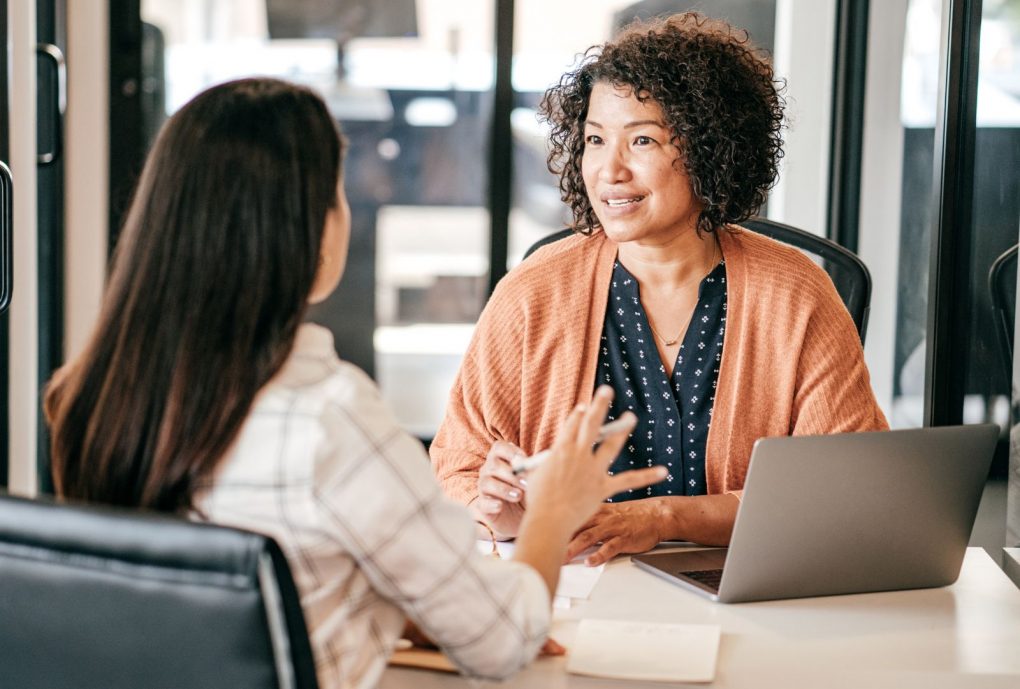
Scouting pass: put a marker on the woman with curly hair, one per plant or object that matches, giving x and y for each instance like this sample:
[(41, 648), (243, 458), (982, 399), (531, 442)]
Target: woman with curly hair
[(665, 139)]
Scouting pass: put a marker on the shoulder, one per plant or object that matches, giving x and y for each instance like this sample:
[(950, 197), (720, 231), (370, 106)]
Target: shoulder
[(758, 249), (774, 269), (551, 281), (569, 258), (314, 384), (313, 375), (349, 425)]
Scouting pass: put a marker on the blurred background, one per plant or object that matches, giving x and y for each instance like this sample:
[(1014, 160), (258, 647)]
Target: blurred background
[(447, 179)]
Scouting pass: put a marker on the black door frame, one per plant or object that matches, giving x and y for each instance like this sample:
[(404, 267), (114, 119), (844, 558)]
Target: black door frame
[(948, 337), (846, 143), (5, 152), (51, 30)]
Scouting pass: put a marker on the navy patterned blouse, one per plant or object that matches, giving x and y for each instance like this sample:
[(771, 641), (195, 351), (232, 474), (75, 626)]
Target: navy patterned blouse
[(673, 414)]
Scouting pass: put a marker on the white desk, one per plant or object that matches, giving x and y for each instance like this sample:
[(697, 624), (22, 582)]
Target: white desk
[(1011, 564), (966, 635)]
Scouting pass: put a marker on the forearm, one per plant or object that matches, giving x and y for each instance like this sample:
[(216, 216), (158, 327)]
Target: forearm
[(704, 519), (457, 472), (542, 543)]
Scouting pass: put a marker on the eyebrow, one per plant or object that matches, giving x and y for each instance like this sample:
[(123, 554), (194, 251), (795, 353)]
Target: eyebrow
[(629, 125)]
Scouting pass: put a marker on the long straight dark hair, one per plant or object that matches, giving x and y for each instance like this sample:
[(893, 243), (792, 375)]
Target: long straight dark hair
[(209, 283)]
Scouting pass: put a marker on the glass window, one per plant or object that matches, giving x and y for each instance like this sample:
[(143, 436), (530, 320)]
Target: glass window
[(897, 203), (896, 198), (411, 83), (991, 380)]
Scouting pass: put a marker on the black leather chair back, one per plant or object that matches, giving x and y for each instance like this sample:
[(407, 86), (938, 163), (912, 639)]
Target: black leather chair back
[(847, 270), (113, 599), (1002, 285)]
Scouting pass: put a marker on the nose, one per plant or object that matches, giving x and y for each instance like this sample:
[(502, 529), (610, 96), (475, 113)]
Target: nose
[(614, 167)]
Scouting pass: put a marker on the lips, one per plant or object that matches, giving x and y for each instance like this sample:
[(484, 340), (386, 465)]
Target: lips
[(618, 202)]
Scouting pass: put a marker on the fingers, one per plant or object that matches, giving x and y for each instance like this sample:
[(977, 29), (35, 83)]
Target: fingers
[(492, 487), (502, 452), (567, 435), (582, 540), (496, 481), (551, 648), (612, 444), (488, 508), (635, 478), (594, 416), (606, 552)]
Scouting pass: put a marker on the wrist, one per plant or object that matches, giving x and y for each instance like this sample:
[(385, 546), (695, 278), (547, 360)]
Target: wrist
[(550, 522), (667, 518)]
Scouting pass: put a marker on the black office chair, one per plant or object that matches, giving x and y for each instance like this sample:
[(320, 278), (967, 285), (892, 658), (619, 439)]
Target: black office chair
[(97, 597), (847, 270), (1002, 285)]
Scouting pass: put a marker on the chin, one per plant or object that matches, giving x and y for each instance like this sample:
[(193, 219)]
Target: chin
[(621, 233)]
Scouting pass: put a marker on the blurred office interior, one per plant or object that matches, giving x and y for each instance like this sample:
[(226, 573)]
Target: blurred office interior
[(886, 154)]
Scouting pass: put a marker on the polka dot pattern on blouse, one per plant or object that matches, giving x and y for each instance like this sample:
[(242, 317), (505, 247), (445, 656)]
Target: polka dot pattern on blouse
[(674, 412)]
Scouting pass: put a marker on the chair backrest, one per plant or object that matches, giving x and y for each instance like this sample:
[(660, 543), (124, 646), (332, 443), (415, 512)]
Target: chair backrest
[(99, 597), (847, 270), (1002, 285)]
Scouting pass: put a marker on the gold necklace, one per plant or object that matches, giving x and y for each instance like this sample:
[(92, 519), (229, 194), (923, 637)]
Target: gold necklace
[(669, 342)]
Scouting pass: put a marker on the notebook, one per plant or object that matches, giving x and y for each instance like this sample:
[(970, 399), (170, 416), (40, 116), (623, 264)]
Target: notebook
[(647, 651), (848, 513)]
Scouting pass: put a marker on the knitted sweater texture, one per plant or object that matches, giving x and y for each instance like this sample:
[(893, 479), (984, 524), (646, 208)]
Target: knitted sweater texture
[(792, 362)]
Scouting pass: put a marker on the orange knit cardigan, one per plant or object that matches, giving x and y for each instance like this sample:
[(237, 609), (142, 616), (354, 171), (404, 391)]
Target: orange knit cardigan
[(792, 362)]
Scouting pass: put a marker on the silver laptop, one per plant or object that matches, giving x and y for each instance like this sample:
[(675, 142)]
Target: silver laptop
[(850, 513)]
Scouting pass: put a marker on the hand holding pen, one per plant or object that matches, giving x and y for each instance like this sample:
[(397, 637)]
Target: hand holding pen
[(501, 489), (523, 465)]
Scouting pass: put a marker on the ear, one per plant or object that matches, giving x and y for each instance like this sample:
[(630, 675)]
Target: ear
[(336, 234)]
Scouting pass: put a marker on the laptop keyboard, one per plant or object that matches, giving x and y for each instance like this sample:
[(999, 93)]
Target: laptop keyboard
[(707, 577)]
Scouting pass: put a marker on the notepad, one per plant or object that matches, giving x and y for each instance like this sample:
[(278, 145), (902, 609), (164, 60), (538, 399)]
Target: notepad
[(577, 580), (645, 651), (422, 659)]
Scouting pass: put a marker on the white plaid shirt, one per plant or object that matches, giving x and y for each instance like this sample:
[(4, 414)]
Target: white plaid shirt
[(321, 466)]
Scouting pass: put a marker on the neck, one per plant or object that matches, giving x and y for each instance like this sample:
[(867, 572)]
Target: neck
[(673, 265)]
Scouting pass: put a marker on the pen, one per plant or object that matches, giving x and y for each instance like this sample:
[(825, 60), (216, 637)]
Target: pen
[(528, 463)]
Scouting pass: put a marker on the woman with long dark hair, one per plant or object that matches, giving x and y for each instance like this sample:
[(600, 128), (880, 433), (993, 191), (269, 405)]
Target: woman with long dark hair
[(202, 393)]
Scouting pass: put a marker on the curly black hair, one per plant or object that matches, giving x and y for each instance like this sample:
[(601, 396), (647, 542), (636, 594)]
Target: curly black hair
[(719, 98)]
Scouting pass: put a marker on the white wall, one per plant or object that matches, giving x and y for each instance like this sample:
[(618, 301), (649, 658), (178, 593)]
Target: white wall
[(24, 311), (881, 184), (87, 168), (805, 37)]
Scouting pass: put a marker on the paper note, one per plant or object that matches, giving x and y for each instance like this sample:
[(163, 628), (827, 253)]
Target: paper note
[(645, 651), (422, 658), (577, 580)]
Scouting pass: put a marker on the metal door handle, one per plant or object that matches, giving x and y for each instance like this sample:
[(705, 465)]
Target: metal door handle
[(6, 236), (51, 53)]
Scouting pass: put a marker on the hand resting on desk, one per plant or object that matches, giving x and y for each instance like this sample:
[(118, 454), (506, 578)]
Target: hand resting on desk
[(621, 527), (636, 526)]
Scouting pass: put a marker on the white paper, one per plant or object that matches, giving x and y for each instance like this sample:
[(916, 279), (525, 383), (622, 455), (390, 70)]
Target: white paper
[(577, 580), (646, 651)]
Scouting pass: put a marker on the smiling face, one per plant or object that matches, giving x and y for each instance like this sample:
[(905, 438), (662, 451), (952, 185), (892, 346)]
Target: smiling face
[(637, 187)]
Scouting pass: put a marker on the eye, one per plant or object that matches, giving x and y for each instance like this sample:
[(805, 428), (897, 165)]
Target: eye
[(593, 139), (643, 140)]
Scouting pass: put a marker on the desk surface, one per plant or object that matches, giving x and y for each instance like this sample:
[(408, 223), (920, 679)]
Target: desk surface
[(964, 635)]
